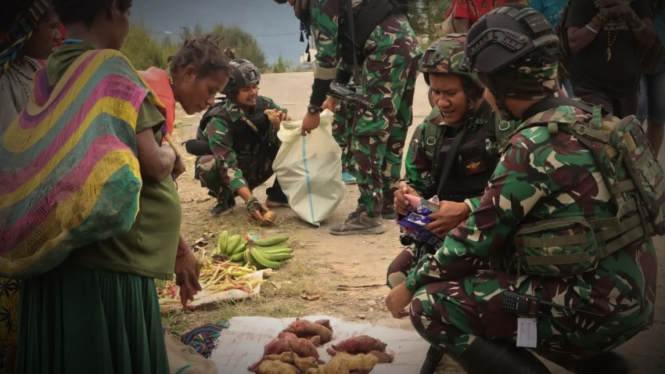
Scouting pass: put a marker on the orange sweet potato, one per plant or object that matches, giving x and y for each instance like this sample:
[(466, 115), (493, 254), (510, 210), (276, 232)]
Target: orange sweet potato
[(360, 344), (303, 348), (306, 329)]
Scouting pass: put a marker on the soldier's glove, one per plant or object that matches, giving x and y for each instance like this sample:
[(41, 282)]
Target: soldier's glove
[(274, 116), (253, 205)]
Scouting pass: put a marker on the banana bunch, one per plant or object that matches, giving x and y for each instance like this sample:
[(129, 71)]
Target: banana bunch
[(268, 253), (231, 247)]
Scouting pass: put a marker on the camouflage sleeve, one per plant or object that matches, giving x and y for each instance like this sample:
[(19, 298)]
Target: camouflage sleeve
[(516, 186), (226, 162), (325, 18), (417, 165), (270, 103)]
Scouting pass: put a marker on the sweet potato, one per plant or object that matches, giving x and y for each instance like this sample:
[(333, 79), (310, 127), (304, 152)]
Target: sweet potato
[(303, 348), (360, 344), (344, 363), (384, 358), (276, 367), (325, 323), (276, 346), (316, 340), (305, 363), (306, 329), (285, 335), (285, 357)]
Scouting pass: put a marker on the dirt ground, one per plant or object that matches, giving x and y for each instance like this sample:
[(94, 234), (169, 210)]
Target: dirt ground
[(346, 273)]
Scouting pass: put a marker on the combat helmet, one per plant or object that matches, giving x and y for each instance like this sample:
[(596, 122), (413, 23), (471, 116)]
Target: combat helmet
[(514, 51), (446, 55), (244, 74)]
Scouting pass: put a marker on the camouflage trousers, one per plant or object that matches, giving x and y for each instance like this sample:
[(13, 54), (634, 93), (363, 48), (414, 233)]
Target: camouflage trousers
[(209, 173), (342, 127), (387, 80), (451, 314)]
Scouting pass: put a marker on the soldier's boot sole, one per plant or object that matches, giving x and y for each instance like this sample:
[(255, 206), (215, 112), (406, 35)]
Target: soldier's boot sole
[(485, 356), (432, 360), (607, 363), (368, 231)]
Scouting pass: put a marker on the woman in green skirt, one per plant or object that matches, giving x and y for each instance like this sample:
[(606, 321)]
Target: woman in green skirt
[(98, 311)]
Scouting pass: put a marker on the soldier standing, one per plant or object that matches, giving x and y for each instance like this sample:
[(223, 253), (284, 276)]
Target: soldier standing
[(553, 223), (385, 62)]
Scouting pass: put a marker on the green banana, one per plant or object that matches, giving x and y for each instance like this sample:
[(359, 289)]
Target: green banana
[(239, 248), (271, 241), (278, 257), (238, 257), (222, 242), (262, 260), (274, 249), (233, 242)]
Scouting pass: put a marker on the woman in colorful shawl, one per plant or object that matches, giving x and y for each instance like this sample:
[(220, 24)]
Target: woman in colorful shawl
[(98, 311), (28, 33)]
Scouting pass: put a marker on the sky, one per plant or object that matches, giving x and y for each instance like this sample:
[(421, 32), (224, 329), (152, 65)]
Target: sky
[(274, 26)]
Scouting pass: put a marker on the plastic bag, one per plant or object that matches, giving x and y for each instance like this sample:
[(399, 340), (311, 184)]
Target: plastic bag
[(309, 169)]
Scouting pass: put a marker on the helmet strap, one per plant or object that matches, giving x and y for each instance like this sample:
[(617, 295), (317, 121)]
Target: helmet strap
[(498, 88)]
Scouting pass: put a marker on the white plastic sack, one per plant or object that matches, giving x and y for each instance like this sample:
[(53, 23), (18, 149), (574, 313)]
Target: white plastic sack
[(309, 169)]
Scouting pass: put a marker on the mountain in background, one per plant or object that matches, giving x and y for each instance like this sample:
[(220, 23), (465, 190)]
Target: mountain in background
[(274, 26)]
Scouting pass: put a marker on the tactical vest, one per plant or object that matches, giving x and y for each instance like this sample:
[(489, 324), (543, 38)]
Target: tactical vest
[(632, 174), (252, 142), (366, 17), (476, 156)]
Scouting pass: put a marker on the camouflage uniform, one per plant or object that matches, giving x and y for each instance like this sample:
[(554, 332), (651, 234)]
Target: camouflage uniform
[(342, 127), (388, 77), (543, 174), (229, 168), (476, 156)]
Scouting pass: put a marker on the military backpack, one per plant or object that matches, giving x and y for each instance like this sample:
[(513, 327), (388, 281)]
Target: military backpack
[(633, 176)]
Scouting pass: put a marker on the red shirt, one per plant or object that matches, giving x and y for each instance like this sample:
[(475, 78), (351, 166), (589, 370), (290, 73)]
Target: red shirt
[(474, 9)]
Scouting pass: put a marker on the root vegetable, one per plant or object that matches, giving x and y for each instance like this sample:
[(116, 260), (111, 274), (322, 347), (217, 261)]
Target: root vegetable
[(285, 335), (344, 363), (303, 348), (268, 218), (276, 367), (360, 344), (384, 358), (276, 346), (305, 363), (306, 329), (325, 323), (285, 357), (316, 340)]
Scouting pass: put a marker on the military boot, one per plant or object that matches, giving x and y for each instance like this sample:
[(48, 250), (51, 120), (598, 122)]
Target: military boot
[(223, 207), (607, 363), (485, 356), (432, 360), (359, 224), (388, 212)]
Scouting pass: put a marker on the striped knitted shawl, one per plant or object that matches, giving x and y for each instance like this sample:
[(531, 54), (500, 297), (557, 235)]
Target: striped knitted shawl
[(68, 166)]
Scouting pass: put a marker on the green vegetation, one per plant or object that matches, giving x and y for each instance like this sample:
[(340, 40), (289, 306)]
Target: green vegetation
[(145, 50)]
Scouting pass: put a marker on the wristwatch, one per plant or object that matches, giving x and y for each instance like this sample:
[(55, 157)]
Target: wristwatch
[(311, 109)]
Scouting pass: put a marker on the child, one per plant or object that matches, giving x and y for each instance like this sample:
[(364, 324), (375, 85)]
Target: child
[(98, 311), (30, 35), (242, 137)]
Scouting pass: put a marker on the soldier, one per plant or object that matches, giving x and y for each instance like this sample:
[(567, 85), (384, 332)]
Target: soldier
[(454, 152), (460, 112), (553, 223), (241, 136), (384, 52)]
